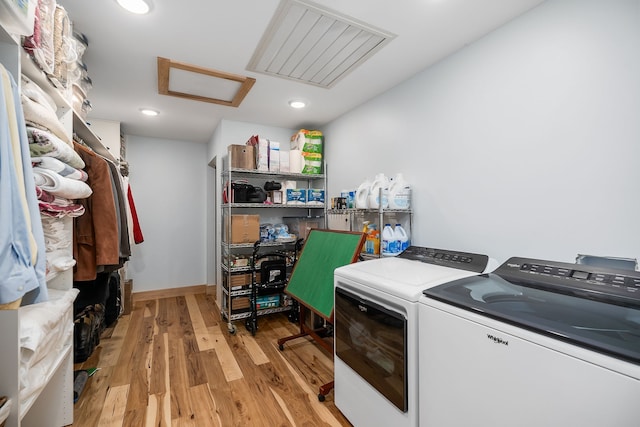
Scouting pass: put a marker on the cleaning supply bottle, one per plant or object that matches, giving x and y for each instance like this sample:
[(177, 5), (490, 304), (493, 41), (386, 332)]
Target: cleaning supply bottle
[(374, 238), (389, 241), (362, 195), (372, 242), (365, 230), (379, 192), (402, 238), (399, 193)]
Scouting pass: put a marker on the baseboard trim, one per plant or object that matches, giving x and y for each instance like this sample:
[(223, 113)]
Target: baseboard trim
[(172, 292)]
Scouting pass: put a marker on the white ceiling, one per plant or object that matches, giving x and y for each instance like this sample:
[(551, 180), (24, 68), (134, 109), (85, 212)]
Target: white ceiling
[(223, 35)]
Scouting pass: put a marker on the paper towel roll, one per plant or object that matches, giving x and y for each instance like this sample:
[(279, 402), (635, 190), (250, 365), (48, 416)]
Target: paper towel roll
[(287, 185), (296, 161)]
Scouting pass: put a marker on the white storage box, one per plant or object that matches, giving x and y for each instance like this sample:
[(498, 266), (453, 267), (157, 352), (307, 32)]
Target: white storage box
[(18, 16)]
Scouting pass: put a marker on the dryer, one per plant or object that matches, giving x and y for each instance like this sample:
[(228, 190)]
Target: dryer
[(535, 343), (376, 330)]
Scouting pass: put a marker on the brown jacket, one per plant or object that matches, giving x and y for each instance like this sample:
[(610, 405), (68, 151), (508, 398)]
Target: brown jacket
[(95, 238)]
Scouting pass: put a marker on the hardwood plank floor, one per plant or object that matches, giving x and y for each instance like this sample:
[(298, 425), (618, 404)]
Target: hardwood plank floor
[(172, 362)]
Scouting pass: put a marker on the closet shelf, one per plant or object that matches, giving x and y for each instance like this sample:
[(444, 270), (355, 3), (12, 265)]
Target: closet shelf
[(62, 357), (61, 98), (33, 71), (254, 172), (267, 206), (81, 129)]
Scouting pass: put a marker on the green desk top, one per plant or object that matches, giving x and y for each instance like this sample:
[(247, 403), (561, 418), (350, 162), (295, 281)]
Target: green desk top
[(311, 281)]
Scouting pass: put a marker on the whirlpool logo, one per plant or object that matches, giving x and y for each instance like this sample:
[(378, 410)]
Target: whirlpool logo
[(497, 340)]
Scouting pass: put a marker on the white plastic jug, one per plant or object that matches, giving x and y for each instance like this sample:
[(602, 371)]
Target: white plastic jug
[(362, 195), (379, 198), (399, 193), (402, 238), (389, 242)]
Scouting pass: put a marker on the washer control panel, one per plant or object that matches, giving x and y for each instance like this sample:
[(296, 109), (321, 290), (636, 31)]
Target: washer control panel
[(581, 280), (446, 258)]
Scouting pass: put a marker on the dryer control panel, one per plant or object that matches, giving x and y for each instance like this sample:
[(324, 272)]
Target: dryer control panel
[(615, 285), (460, 260)]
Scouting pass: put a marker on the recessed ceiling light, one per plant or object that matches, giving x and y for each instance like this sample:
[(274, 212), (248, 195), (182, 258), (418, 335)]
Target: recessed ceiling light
[(135, 6), (297, 104), (149, 112)]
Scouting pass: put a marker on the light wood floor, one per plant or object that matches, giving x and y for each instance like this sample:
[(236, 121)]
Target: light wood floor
[(172, 362)]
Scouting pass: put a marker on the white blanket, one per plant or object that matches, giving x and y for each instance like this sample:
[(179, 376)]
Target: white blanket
[(41, 116), (46, 144), (59, 167), (44, 331), (59, 185)]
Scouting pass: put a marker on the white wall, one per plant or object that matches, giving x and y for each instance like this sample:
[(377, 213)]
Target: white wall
[(168, 183), (524, 143)]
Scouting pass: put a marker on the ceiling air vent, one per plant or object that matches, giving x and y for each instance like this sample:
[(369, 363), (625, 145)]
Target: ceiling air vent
[(312, 45)]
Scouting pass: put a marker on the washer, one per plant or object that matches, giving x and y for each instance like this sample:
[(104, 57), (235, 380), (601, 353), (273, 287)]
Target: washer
[(536, 343), (376, 330)]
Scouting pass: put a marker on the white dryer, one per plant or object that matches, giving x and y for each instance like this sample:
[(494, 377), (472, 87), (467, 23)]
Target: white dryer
[(376, 330), (536, 343)]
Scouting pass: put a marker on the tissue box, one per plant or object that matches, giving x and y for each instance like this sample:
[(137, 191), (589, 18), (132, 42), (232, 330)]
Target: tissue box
[(296, 196), (315, 197), (284, 161), (274, 156)]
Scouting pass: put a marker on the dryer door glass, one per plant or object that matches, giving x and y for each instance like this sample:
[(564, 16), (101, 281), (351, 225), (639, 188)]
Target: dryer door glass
[(372, 340)]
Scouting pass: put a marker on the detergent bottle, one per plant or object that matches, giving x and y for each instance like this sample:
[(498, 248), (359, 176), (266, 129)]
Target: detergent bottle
[(362, 195), (379, 192), (399, 193)]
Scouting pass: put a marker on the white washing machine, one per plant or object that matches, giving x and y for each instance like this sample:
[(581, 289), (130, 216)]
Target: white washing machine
[(376, 330), (535, 343)]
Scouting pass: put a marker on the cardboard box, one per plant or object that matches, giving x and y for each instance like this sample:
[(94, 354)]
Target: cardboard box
[(240, 304), (300, 226), (244, 229), (238, 280), (242, 156), (315, 197)]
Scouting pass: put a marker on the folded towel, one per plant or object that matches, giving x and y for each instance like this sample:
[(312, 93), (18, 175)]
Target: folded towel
[(59, 167), (58, 211), (59, 185), (42, 116), (34, 92), (46, 144), (44, 196)]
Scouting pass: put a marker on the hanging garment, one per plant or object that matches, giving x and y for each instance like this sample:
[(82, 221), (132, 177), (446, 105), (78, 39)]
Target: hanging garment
[(132, 216), (96, 240), (22, 249), (121, 207)]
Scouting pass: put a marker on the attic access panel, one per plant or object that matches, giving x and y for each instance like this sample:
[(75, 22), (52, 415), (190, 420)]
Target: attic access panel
[(312, 45), (207, 85)]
